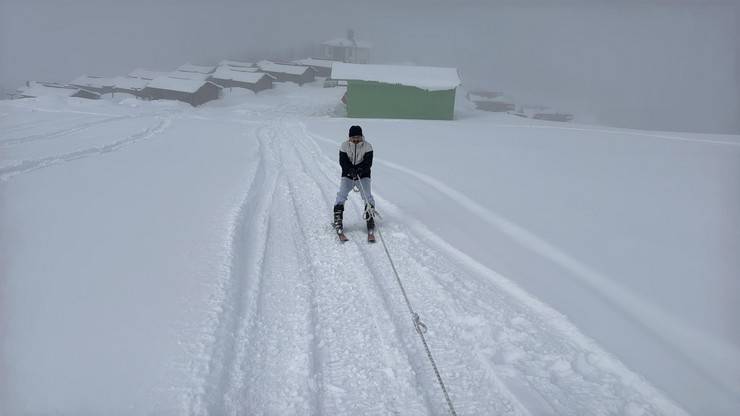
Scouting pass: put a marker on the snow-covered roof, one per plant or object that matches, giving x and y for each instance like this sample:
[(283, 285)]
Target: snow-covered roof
[(129, 83), (40, 90), (268, 66), (227, 62), (227, 73), (494, 97), (92, 81), (344, 42), (323, 63), (197, 76), (196, 68), (145, 73), (173, 82), (424, 77)]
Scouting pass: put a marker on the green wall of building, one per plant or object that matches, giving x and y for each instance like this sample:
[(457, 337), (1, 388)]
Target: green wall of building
[(377, 100)]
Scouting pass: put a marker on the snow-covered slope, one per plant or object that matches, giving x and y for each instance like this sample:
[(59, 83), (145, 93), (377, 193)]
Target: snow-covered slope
[(159, 259)]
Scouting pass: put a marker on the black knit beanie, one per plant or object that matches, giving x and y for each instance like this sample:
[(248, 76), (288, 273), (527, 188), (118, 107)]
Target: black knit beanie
[(355, 131)]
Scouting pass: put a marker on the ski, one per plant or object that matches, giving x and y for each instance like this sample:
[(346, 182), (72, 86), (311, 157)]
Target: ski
[(342, 236)]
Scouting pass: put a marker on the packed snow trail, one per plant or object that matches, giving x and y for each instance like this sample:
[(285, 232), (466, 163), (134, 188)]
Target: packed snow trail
[(228, 212), (311, 326)]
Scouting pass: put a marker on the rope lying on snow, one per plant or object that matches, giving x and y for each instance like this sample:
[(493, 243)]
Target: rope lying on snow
[(420, 327)]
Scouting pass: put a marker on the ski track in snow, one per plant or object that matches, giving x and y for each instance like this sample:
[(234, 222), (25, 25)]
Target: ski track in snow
[(26, 125), (59, 133), (623, 132), (663, 326), (564, 354), (26, 166), (307, 325), (490, 393)]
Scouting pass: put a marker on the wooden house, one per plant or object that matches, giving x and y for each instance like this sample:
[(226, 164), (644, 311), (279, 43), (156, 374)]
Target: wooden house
[(100, 85), (287, 73), (231, 77), (194, 89), (346, 49), (322, 67), (128, 85), (38, 89)]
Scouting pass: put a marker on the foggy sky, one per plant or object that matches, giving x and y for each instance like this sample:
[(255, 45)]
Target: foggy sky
[(653, 64)]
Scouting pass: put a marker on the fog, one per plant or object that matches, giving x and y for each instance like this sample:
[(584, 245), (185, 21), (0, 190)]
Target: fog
[(663, 65)]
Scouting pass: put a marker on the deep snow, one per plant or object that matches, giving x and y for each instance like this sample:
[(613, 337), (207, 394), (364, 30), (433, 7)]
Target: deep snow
[(159, 259)]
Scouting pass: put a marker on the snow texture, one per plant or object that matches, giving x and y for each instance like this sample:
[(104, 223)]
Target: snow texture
[(323, 63), (228, 73), (189, 82), (92, 81), (201, 69), (161, 259), (282, 68), (40, 90)]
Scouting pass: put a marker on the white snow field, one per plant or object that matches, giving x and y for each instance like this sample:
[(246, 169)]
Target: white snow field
[(157, 259)]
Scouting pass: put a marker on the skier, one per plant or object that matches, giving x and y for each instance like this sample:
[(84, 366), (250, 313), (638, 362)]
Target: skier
[(356, 159)]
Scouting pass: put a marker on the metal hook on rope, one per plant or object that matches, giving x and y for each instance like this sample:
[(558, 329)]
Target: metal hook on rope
[(420, 327)]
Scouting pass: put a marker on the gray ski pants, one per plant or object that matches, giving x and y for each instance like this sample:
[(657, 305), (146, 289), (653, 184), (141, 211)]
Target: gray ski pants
[(345, 186)]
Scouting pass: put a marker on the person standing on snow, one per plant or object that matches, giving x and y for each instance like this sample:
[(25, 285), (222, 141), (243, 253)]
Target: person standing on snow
[(356, 159)]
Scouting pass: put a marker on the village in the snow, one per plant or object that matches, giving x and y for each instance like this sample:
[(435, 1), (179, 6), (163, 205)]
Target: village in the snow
[(344, 61)]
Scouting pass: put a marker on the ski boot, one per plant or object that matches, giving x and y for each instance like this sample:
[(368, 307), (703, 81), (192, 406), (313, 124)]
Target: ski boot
[(369, 217), (338, 226)]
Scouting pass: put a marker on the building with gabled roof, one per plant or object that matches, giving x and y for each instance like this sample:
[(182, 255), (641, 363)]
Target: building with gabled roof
[(287, 73), (347, 49), (38, 89), (491, 101), (237, 64), (196, 68), (321, 67), (100, 85), (129, 85), (391, 91), (231, 77), (193, 88)]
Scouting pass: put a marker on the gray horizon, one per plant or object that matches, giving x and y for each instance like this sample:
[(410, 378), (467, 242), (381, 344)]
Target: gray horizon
[(655, 65)]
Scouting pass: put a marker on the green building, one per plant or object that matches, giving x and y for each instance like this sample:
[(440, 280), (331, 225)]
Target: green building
[(388, 91)]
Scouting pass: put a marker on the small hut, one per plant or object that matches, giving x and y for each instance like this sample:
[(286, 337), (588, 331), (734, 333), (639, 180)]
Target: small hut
[(229, 77), (288, 73), (347, 49), (128, 85), (194, 90), (245, 66), (322, 67), (491, 101), (388, 91), (100, 85), (198, 69), (37, 89)]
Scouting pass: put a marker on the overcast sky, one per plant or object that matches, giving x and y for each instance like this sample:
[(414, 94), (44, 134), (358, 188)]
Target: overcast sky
[(652, 64)]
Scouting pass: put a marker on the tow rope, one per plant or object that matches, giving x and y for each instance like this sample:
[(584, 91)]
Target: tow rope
[(420, 327)]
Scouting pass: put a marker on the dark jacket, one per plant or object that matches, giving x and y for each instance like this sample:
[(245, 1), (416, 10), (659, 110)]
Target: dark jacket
[(356, 159)]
